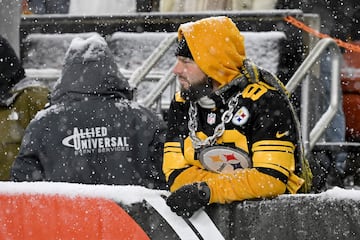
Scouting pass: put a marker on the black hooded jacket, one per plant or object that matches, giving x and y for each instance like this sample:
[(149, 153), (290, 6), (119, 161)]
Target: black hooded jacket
[(92, 133)]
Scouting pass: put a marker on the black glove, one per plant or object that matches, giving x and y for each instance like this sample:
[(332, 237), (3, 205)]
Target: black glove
[(189, 198)]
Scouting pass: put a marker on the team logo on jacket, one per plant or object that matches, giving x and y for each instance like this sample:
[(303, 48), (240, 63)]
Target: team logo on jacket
[(223, 159), (211, 118), (241, 116), (95, 140)]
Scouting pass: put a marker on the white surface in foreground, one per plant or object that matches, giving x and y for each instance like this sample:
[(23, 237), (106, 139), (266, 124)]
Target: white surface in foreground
[(130, 194), (123, 194)]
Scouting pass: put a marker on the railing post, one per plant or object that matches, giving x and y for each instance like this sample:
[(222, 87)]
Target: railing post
[(319, 128), (304, 113), (326, 118)]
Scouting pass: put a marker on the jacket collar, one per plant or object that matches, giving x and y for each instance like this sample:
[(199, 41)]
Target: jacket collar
[(222, 95)]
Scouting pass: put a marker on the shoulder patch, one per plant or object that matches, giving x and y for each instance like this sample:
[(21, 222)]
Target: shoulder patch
[(241, 116)]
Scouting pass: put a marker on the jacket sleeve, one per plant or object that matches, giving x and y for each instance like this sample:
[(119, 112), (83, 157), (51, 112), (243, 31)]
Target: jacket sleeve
[(30, 101), (226, 188), (173, 159), (157, 149), (27, 165), (152, 132)]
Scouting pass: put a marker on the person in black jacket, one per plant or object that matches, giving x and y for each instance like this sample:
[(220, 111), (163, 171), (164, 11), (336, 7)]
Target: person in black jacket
[(93, 132)]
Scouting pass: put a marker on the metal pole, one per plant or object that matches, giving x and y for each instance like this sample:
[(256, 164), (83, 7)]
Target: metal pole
[(326, 118), (299, 75)]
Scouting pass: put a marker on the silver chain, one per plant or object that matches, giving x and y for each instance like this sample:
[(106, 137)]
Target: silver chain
[(219, 129)]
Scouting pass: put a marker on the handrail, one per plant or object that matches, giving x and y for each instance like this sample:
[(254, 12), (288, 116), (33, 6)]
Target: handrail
[(311, 138), (158, 89), (154, 57)]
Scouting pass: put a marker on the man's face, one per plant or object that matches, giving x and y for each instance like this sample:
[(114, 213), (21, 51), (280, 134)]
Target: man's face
[(188, 73)]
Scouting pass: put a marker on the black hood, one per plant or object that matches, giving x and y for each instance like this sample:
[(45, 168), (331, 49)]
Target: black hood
[(90, 70), (11, 71)]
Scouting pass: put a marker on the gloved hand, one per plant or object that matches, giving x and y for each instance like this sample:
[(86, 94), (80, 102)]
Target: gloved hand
[(189, 198)]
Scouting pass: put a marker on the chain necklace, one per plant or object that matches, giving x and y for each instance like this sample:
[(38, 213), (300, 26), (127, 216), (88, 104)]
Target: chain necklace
[(219, 129)]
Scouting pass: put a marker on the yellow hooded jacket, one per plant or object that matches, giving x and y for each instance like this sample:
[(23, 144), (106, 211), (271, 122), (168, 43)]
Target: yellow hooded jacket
[(217, 47), (267, 133)]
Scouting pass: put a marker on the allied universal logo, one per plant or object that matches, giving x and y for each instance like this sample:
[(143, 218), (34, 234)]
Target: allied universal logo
[(95, 140)]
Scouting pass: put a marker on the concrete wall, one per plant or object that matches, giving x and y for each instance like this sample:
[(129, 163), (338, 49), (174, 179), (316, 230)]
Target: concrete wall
[(301, 217), (290, 217)]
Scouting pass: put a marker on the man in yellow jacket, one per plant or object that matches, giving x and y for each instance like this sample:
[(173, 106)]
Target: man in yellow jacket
[(232, 132), (20, 99)]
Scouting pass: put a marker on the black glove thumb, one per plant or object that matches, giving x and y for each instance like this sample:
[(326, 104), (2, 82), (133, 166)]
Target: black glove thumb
[(189, 198)]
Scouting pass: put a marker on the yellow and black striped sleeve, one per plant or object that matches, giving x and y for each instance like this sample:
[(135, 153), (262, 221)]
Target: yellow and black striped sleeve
[(173, 159), (274, 157)]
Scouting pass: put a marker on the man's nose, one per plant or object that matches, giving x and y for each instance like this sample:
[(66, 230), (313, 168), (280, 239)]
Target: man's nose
[(177, 68)]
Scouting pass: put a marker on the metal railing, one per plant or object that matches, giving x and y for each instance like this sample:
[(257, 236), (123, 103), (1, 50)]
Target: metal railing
[(310, 137), (167, 79), (139, 74)]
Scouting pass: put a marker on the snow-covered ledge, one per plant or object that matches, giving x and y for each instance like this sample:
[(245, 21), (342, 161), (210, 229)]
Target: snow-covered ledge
[(334, 214)]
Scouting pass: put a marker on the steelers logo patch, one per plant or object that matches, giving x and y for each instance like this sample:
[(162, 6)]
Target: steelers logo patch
[(241, 116), (223, 159)]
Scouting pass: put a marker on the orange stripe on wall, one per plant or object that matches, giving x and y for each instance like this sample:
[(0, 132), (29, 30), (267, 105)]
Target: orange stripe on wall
[(39, 216)]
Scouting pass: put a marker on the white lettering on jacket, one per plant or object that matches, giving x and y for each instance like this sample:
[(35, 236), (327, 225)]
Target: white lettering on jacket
[(95, 139)]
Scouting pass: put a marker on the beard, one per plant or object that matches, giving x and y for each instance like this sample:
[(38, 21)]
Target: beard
[(198, 90)]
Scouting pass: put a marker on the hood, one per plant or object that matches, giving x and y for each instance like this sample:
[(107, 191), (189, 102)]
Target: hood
[(89, 69), (216, 45), (11, 71)]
